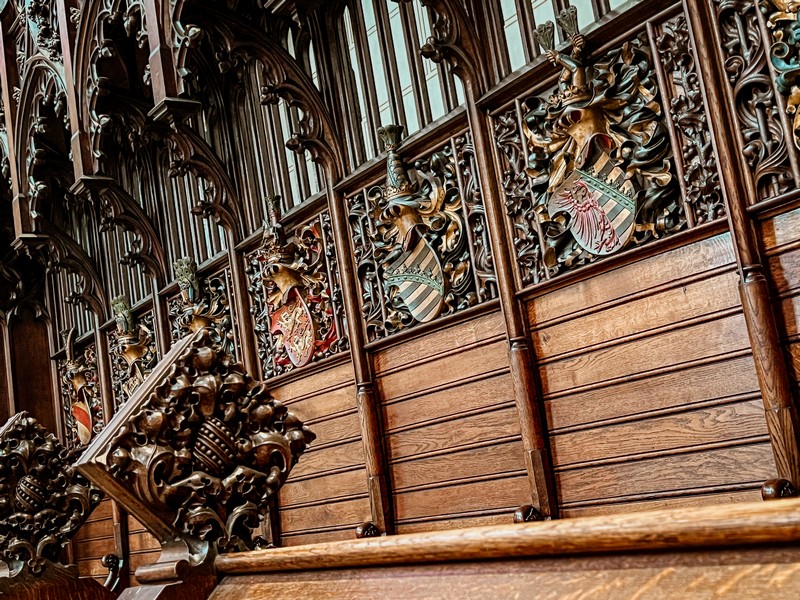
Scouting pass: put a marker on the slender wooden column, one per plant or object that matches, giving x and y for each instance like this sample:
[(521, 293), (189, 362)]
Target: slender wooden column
[(241, 308), (770, 362), (367, 397), (526, 392)]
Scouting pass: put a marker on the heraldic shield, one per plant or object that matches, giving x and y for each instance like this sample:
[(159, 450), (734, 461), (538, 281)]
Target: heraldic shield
[(83, 421), (417, 275), (599, 200), (293, 320)]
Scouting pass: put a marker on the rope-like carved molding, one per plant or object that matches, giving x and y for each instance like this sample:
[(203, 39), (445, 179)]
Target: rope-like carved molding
[(199, 450)]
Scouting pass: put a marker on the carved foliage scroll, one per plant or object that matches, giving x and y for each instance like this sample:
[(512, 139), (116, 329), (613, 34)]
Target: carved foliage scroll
[(296, 297), (198, 452), (420, 241), (203, 302), (43, 499), (80, 393), (783, 19), (745, 60), (689, 121), (133, 350), (587, 167)]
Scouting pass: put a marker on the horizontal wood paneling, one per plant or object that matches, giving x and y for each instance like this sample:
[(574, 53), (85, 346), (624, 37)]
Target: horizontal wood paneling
[(327, 489), (94, 540), (452, 430), (649, 384)]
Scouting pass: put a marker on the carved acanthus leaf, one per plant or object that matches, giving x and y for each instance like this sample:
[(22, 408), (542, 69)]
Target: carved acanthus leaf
[(43, 499)]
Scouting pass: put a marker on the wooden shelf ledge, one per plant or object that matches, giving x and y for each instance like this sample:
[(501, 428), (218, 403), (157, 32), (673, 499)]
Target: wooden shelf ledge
[(723, 526)]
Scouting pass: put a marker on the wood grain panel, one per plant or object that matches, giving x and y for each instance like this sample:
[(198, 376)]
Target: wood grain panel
[(703, 426), (503, 517), (747, 463), (475, 497), (688, 502), (313, 384), (324, 488), (446, 340), (784, 271), (103, 511), (328, 402), (445, 370), (672, 306), (349, 512), (142, 542), (333, 458), (335, 429), (451, 434), (95, 530), (458, 398), (781, 229), (717, 337), (475, 462), (657, 270), (348, 533), (685, 387)]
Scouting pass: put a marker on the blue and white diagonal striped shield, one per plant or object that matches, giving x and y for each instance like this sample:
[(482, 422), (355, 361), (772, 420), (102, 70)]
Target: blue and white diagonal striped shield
[(417, 275)]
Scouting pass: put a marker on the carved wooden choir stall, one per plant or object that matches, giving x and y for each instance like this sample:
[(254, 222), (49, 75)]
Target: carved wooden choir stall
[(399, 298)]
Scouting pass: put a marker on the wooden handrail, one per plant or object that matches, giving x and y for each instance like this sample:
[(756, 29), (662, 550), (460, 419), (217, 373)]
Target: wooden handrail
[(737, 525)]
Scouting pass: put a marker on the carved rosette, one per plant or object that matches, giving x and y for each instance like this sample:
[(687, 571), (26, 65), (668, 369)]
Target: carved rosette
[(203, 302), (588, 166), (296, 297), (420, 241), (133, 350), (763, 140), (200, 449), (702, 191), (43, 499), (80, 395)]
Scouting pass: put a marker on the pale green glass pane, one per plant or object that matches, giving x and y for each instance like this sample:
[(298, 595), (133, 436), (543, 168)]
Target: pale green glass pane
[(513, 34), (616, 3), (460, 91), (360, 95), (543, 10), (312, 61), (585, 12), (433, 74)]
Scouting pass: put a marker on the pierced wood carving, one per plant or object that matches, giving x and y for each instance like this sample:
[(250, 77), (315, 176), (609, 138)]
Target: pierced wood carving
[(763, 139), (412, 238), (202, 303), (133, 350), (783, 19), (296, 295), (43, 499), (689, 122), (199, 450), (82, 405), (588, 168)]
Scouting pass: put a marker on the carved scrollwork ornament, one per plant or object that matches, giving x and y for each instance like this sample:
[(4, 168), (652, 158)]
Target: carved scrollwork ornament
[(43, 498), (82, 405), (200, 449), (412, 240), (133, 350), (202, 303), (783, 19), (598, 175), (296, 301)]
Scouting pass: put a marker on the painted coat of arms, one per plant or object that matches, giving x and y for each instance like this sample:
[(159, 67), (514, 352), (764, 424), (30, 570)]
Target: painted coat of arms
[(290, 278), (79, 387), (599, 153)]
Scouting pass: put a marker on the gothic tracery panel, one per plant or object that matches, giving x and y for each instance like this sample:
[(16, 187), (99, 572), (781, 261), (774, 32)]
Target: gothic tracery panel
[(588, 167), (296, 295), (420, 240)]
